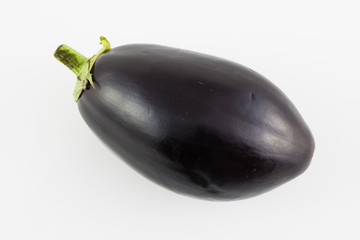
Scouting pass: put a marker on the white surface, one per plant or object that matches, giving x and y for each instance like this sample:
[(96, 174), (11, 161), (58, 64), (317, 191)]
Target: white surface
[(57, 181)]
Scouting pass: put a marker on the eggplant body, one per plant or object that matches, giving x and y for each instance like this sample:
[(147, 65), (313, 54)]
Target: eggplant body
[(196, 124)]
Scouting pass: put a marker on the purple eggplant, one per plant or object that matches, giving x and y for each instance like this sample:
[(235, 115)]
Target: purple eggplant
[(198, 125)]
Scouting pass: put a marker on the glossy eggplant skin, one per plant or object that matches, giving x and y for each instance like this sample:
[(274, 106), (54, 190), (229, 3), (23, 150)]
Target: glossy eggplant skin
[(196, 124)]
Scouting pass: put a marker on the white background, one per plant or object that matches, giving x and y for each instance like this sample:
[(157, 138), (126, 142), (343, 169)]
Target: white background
[(57, 180)]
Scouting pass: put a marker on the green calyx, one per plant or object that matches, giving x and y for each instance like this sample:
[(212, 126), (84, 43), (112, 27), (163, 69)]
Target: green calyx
[(80, 65)]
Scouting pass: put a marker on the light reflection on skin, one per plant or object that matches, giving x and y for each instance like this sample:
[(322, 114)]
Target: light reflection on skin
[(276, 136), (133, 109)]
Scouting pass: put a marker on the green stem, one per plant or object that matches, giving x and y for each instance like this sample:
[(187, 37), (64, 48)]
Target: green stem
[(80, 65), (70, 58)]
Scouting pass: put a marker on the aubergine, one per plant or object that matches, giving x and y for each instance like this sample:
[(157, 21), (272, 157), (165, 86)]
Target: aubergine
[(196, 124)]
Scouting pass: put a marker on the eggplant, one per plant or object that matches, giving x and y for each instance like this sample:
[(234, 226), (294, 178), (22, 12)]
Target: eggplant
[(198, 125)]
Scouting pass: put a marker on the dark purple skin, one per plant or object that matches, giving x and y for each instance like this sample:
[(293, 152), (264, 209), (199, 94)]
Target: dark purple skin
[(196, 124)]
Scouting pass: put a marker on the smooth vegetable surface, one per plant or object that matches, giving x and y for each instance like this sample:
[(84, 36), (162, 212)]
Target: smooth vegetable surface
[(195, 124)]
